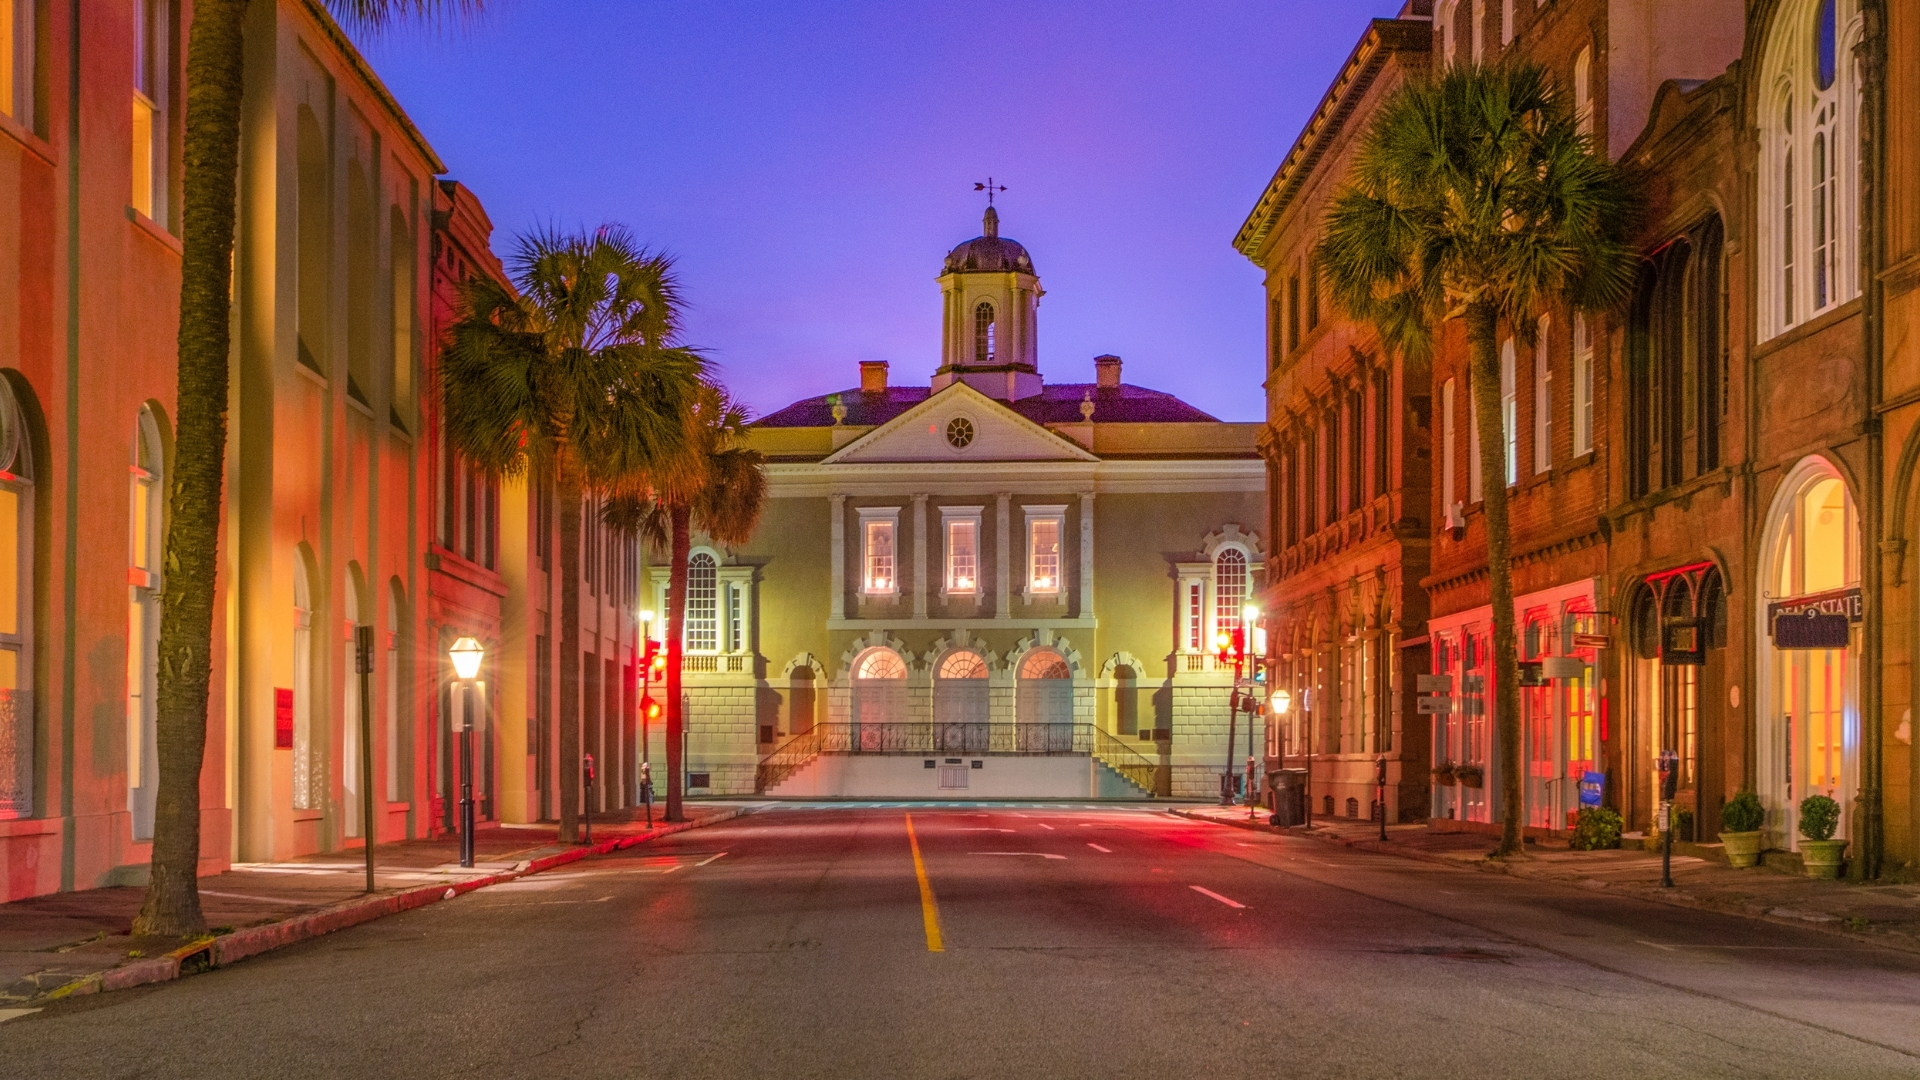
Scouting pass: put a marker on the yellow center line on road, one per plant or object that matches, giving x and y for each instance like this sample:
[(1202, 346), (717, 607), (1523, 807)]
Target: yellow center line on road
[(929, 910)]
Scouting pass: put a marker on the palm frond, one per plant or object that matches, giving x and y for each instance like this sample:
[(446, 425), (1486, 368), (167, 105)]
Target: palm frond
[(376, 15)]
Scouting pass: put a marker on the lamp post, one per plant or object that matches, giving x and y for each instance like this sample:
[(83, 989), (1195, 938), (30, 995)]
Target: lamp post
[(363, 666), (1281, 703), (1256, 645), (466, 655)]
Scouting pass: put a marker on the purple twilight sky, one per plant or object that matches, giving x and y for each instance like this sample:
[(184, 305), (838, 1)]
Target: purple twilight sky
[(810, 163)]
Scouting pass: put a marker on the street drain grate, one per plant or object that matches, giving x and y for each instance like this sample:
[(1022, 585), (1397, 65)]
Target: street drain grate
[(1478, 956)]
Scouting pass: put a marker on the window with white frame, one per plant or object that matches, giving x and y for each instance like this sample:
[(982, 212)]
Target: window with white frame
[(960, 529), (1230, 593), (1506, 22), (1582, 387), (1196, 602), (1509, 413), (1479, 30), (703, 604), (1542, 397), (143, 623), (879, 550), (1044, 527), (17, 50), (151, 49), (1809, 162), (1473, 447), (736, 617), (1448, 435), (1583, 90)]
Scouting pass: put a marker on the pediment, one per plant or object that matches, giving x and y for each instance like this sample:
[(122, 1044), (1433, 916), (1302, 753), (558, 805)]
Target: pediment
[(920, 434)]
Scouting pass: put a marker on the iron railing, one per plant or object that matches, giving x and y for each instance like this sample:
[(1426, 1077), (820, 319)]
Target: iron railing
[(786, 760), (1139, 770), (956, 738)]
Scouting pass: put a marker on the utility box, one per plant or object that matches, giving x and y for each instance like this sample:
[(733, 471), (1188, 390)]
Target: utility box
[(1287, 795)]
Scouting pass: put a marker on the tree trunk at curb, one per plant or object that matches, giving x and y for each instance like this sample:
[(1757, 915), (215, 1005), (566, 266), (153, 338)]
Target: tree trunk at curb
[(190, 564), (568, 492), (676, 628), (1484, 384)]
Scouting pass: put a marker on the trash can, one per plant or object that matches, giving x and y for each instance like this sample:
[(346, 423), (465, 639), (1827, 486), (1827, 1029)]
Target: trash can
[(1289, 790)]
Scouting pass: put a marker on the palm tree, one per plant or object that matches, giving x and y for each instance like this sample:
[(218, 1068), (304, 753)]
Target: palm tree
[(1475, 196), (720, 486), (209, 183), (574, 378)]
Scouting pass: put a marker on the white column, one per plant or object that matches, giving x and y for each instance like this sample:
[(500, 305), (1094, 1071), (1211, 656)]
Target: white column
[(919, 556), (1003, 554), (838, 531), (1086, 554)]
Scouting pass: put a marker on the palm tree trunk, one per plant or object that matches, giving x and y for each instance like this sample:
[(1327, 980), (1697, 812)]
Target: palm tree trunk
[(682, 547), (214, 88), (1484, 359), (568, 492)]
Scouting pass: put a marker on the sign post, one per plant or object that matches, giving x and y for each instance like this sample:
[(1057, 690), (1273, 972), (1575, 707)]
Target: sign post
[(363, 666)]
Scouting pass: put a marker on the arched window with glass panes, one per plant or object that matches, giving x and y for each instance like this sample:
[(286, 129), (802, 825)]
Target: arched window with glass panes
[(143, 621), (703, 604), (983, 333), (1809, 162), (16, 608)]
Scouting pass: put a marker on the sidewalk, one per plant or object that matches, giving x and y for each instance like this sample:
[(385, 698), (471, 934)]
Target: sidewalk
[(79, 942), (1885, 914)]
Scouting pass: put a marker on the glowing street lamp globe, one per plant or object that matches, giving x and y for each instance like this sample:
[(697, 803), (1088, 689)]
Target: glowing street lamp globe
[(1282, 701), (466, 654)]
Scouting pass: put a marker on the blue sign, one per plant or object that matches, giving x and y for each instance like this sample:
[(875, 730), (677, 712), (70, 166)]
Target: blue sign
[(1592, 786)]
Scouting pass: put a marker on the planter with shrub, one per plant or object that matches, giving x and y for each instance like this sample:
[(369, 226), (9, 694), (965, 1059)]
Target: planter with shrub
[(1469, 775), (1819, 852), (1443, 774), (1595, 828), (1740, 821)]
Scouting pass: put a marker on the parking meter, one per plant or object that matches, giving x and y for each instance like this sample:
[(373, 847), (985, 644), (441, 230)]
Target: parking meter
[(1669, 766), (587, 770), (646, 789), (1668, 763)]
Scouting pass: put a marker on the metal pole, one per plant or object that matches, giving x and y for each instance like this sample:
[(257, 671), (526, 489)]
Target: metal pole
[(363, 664), (466, 776), (589, 800), (1381, 798), (1233, 715)]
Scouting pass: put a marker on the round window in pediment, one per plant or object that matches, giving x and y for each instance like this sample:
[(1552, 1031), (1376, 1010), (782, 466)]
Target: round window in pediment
[(959, 433)]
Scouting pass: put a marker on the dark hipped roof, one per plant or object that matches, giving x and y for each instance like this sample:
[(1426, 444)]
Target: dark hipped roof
[(1057, 403)]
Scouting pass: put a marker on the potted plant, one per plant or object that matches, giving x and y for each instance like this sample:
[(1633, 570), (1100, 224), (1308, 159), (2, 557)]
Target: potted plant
[(1470, 775), (1740, 821), (1819, 851), (1596, 828), (1443, 775)]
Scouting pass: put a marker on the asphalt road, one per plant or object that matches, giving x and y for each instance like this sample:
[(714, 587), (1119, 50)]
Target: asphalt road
[(1072, 942)]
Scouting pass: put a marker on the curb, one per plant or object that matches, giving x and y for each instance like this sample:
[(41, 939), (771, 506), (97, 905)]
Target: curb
[(216, 952), (1670, 897)]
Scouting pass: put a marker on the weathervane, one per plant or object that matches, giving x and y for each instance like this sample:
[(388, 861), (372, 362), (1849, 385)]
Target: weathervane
[(989, 188)]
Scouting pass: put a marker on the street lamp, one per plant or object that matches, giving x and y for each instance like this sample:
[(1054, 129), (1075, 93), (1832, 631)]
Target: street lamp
[(466, 655)]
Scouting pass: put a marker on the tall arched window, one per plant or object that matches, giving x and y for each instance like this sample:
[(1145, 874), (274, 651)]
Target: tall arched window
[(1809, 175), (960, 703), (983, 335), (1229, 589), (350, 742), (703, 604), (879, 697), (1043, 708), (400, 272), (396, 732), (308, 773), (16, 609), (143, 621), (1676, 362), (1583, 90)]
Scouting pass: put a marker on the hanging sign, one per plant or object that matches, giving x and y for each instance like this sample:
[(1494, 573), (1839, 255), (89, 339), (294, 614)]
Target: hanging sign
[(1592, 786), (1433, 705), (282, 719), (1433, 684), (1817, 621)]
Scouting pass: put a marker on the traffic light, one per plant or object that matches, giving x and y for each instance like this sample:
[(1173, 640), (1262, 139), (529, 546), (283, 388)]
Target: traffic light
[(1230, 646), (655, 660)]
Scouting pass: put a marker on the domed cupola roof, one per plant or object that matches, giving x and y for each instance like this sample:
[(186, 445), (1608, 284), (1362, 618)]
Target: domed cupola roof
[(990, 252)]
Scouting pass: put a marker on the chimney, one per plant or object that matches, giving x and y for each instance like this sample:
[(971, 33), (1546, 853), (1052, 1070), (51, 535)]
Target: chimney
[(873, 376), (1107, 372)]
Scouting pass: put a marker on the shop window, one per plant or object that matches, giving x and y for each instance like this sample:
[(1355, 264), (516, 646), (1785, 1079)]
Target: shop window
[(16, 609)]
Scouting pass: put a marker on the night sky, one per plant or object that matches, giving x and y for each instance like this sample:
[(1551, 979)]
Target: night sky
[(810, 163)]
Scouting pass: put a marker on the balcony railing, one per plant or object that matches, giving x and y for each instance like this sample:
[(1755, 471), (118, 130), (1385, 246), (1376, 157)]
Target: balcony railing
[(956, 738)]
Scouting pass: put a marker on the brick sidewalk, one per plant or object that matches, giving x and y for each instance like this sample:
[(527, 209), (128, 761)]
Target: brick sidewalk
[(77, 942), (1884, 913)]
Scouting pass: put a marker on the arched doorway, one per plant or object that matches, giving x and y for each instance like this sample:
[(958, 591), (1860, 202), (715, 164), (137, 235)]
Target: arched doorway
[(1043, 707), (1809, 711), (960, 703), (879, 698)]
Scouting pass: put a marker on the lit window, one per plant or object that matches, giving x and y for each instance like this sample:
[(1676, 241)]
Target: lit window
[(1810, 163), (16, 59), (16, 611), (1582, 388), (703, 604), (150, 50), (878, 534), (143, 623), (983, 335), (1043, 551), (736, 619), (963, 552)]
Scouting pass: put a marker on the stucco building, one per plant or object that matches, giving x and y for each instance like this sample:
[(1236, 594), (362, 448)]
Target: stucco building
[(984, 584)]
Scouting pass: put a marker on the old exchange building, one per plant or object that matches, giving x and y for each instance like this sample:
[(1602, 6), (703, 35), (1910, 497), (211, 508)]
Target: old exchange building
[(1709, 488)]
